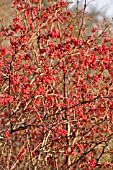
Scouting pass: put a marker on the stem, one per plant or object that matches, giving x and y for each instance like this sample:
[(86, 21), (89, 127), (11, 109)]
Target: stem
[(66, 118)]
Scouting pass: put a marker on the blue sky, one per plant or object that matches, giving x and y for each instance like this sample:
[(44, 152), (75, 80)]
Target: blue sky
[(104, 6)]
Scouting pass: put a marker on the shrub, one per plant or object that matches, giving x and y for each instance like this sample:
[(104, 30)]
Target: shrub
[(56, 89)]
